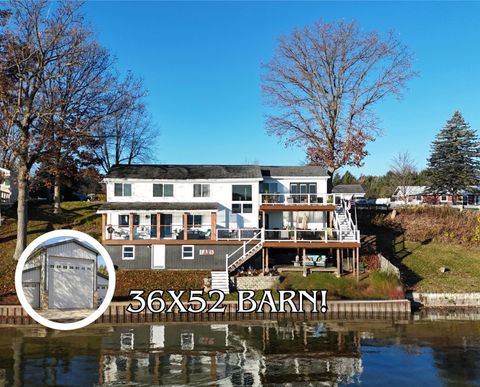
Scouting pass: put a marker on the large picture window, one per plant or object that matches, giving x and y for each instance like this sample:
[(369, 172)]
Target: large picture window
[(241, 193), (162, 190), (201, 190), (121, 189)]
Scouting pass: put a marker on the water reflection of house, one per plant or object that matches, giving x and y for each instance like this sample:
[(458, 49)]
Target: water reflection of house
[(233, 354), (162, 354)]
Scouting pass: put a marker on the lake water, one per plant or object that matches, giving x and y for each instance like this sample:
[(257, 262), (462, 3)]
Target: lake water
[(372, 353)]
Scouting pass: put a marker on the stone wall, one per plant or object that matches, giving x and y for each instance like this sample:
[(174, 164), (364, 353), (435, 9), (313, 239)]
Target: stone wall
[(446, 299), (255, 282)]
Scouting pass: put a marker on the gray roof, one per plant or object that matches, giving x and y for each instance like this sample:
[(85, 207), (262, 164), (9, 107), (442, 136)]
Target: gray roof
[(184, 172), (145, 206), (47, 246), (305, 170), (348, 188)]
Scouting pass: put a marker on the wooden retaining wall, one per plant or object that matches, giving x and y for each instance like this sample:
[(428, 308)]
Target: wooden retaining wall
[(116, 313)]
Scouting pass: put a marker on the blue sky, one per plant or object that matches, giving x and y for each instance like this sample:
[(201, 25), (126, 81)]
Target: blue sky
[(201, 63)]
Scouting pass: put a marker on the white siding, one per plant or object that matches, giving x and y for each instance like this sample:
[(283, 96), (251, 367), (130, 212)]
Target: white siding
[(32, 275), (71, 250), (220, 192)]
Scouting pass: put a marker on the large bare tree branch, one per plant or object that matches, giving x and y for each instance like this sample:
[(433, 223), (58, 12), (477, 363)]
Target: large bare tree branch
[(324, 82)]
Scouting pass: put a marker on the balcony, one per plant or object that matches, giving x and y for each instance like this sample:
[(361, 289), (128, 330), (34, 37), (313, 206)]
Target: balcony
[(281, 200), (149, 232), (326, 235)]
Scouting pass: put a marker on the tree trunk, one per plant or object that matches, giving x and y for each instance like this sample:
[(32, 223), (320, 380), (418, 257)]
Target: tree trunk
[(22, 209), (57, 209)]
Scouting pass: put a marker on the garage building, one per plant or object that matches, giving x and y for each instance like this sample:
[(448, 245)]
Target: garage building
[(62, 275)]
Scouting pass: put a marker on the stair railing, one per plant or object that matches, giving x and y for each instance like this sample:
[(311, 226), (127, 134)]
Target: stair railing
[(243, 248)]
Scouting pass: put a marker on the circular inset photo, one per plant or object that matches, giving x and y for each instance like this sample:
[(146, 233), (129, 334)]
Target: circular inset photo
[(65, 279)]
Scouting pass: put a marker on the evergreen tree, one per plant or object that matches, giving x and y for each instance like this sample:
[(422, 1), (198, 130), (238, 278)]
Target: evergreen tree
[(454, 160)]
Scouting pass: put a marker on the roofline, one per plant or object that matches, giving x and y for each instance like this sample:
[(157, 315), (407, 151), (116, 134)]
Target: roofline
[(45, 247)]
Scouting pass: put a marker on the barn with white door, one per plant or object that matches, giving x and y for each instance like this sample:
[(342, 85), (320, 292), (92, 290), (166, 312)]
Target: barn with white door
[(63, 275)]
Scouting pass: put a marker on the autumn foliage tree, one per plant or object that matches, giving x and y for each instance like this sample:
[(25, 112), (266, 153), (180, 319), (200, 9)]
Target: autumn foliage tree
[(324, 82)]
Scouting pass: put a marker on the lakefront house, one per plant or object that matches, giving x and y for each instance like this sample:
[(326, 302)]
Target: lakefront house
[(418, 194), (225, 218)]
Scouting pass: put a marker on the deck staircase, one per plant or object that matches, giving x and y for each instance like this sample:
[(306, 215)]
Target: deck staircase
[(220, 281), (245, 257), (345, 224)]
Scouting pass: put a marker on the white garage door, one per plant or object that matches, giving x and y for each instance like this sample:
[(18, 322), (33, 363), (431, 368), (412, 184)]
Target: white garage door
[(32, 293), (70, 283)]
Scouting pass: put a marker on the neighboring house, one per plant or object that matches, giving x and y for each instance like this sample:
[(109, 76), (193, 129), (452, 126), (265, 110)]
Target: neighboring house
[(349, 191), (5, 182), (218, 217), (63, 275), (414, 195)]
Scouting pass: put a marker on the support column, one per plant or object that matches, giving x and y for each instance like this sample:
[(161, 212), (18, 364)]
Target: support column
[(130, 226), (104, 225), (159, 217), (358, 264), (341, 258), (213, 232), (185, 226), (263, 261), (353, 263), (304, 257), (266, 260), (339, 273)]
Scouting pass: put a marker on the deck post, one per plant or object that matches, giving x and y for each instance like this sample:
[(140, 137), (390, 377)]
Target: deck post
[(130, 226), (341, 258), (358, 264), (185, 226), (304, 257), (213, 232), (338, 263), (266, 260), (263, 261), (354, 267), (159, 217), (104, 224)]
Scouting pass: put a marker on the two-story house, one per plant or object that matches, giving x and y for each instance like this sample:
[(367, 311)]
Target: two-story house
[(218, 217)]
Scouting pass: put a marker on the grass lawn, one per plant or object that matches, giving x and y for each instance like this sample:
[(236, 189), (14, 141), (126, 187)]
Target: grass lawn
[(376, 285), (425, 261), (76, 215)]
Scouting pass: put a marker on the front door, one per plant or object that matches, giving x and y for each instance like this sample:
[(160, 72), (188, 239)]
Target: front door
[(158, 257)]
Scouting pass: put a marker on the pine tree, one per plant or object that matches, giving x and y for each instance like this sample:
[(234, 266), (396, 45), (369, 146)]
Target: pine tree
[(454, 160)]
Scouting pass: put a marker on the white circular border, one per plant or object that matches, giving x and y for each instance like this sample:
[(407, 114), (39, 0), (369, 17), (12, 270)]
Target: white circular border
[(82, 237)]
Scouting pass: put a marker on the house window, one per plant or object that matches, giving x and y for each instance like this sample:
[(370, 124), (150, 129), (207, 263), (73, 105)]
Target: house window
[(163, 190), (128, 252), (187, 252), (123, 189), (124, 220), (444, 198), (268, 188), (241, 193), (201, 190), (238, 208), (418, 197), (194, 220)]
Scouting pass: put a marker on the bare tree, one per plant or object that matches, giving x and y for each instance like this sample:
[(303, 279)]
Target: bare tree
[(126, 133), (404, 173), (76, 99), (324, 81), (36, 37)]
